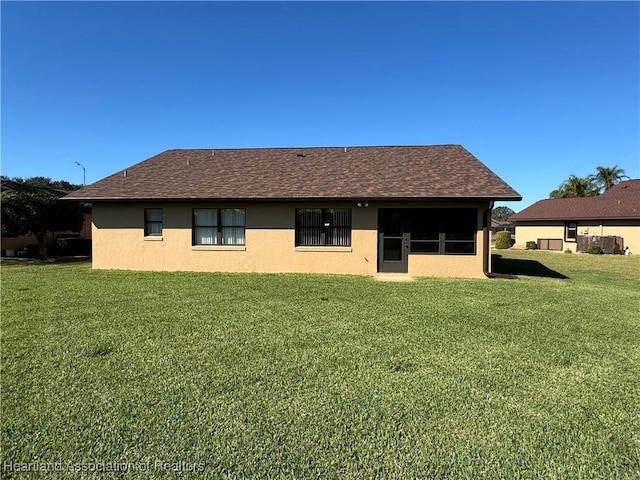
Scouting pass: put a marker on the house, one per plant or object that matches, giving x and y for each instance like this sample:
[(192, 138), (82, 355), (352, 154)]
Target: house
[(499, 226), (27, 245), (413, 210), (19, 245), (558, 223)]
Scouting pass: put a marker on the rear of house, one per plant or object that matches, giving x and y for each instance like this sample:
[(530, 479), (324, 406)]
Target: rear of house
[(566, 223), (421, 210)]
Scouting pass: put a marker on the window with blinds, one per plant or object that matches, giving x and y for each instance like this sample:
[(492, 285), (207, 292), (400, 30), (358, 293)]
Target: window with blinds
[(218, 226), (571, 231), (152, 222), (329, 227)]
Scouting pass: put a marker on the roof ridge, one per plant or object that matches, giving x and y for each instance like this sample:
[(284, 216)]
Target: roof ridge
[(314, 147)]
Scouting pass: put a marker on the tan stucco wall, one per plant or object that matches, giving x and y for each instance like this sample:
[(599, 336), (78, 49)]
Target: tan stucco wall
[(119, 242), (629, 230)]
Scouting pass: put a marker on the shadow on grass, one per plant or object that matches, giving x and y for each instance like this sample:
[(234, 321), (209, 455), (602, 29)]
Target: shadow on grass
[(530, 268)]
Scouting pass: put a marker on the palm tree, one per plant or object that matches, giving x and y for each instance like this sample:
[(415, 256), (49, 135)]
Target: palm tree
[(576, 186), (607, 177)]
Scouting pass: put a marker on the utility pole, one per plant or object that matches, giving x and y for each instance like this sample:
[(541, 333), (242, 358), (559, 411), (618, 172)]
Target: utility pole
[(84, 174)]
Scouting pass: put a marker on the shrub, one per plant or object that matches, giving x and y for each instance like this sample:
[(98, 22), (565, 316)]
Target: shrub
[(568, 250), (594, 249), (531, 245), (503, 240)]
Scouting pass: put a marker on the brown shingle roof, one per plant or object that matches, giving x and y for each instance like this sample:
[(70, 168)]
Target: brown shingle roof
[(620, 201), (407, 172)]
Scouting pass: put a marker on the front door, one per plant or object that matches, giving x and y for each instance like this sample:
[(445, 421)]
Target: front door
[(393, 241)]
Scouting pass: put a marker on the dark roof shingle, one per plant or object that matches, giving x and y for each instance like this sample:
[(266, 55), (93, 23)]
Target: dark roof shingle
[(622, 201), (404, 172)]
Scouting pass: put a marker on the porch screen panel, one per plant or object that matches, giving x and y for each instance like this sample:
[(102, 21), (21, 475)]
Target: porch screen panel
[(205, 226), (442, 231), (460, 227), (425, 230)]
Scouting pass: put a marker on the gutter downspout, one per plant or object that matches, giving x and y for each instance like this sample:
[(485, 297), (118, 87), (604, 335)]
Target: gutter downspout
[(486, 254), (486, 251)]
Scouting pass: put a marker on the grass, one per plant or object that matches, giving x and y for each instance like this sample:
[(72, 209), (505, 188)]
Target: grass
[(316, 376)]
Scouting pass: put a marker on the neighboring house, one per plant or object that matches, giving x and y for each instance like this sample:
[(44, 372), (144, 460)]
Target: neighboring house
[(556, 223), (499, 226), (416, 210), (11, 246), (15, 246)]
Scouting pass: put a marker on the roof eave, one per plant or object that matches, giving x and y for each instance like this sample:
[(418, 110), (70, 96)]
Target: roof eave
[(294, 199), (562, 219)]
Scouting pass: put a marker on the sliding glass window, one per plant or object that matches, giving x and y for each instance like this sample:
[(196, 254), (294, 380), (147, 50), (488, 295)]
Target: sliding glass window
[(218, 226)]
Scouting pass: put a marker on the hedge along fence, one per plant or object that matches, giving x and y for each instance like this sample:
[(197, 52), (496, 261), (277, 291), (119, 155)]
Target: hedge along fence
[(594, 249)]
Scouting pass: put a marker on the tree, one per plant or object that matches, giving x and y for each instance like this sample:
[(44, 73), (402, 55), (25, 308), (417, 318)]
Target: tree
[(502, 214), (575, 186), (607, 177), (33, 207)]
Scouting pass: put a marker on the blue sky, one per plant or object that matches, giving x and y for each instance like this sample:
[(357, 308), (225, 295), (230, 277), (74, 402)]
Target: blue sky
[(535, 90)]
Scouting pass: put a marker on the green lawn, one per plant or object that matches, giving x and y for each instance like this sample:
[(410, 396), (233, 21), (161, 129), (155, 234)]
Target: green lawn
[(318, 376)]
